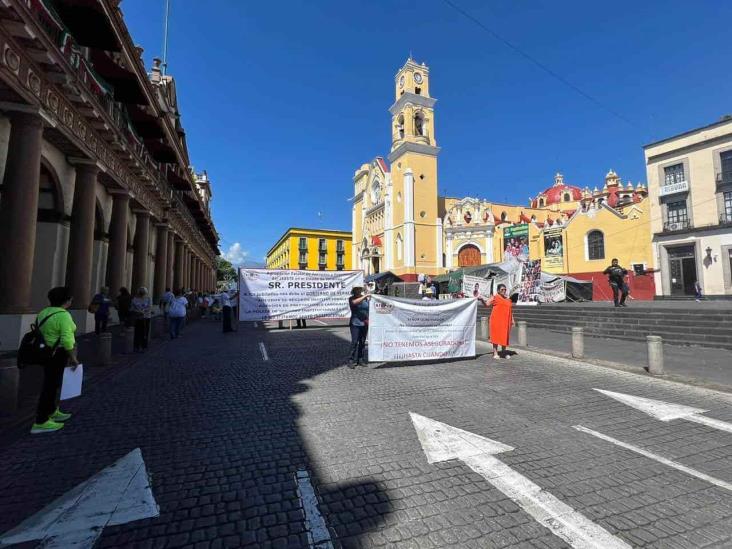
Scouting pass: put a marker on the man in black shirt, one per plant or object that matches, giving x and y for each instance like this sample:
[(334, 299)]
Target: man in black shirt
[(616, 277)]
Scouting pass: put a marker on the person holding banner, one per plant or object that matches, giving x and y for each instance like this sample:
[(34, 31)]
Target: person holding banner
[(359, 324), (501, 320)]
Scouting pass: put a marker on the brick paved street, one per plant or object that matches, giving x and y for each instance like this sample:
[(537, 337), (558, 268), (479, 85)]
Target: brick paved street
[(223, 433)]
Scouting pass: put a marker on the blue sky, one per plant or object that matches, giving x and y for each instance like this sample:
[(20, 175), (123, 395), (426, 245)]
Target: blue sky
[(282, 101)]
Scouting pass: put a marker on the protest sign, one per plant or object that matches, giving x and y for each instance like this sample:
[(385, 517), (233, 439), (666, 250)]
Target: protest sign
[(553, 291), (530, 285), (273, 294), (407, 329), (72, 381), (473, 286), (553, 249), (516, 242)]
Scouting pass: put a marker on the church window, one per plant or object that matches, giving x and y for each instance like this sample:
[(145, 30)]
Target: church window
[(541, 203), (504, 215), (418, 91), (595, 245), (422, 214), (567, 197), (400, 126)]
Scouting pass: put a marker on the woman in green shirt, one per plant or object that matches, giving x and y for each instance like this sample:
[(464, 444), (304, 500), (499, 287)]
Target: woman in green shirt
[(58, 333)]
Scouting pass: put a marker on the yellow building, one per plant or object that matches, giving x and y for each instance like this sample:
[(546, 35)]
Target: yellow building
[(401, 224), (312, 249), (690, 184)]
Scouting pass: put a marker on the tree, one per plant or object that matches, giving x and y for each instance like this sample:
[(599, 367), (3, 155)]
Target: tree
[(225, 271)]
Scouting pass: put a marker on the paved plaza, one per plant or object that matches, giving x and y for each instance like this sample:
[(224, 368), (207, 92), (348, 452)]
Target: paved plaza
[(263, 438)]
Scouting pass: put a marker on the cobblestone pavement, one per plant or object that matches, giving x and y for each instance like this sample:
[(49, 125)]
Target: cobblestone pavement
[(224, 432)]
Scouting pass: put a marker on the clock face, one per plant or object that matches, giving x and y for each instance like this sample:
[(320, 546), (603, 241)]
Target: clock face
[(417, 78), (401, 82)]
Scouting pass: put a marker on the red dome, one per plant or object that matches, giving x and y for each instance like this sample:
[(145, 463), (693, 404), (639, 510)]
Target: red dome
[(555, 194)]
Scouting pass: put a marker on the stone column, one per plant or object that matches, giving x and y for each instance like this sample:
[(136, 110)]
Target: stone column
[(18, 209), (81, 237), (170, 261), (197, 273), (117, 242), (178, 278), (161, 261), (142, 243)]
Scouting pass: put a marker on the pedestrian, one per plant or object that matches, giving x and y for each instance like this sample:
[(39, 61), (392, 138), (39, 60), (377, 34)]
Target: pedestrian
[(429, 294), (58, 331), (501, 320), (165, 300), (359, 324), (226, 310), (100, 308), (697, 290), (301, 323), (141, 311), (124, 302), (176, 313), (616, 277)]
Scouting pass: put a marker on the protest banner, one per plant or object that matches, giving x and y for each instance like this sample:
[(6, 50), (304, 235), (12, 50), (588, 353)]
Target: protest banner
[(516, 242), (407, 329), (473, 286), (273, 294), (530, 285), (553, 291), (553, 250)]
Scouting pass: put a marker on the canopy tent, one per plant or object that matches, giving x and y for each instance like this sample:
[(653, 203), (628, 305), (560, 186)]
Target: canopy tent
[(382, 280), (452, 281)]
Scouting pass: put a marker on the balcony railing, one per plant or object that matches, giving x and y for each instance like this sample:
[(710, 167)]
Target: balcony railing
[(671, 226), (673, 188), (724, 177)]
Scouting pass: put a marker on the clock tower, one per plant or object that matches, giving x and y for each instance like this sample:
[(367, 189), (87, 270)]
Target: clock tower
[(413, 158)]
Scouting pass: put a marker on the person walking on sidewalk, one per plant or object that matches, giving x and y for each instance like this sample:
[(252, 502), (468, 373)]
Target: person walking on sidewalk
[(616, 277), (359, 324), (165, 301), (176, 313), (58, 329), (141, 311), (501, 320), (124, 302), (100, 307)]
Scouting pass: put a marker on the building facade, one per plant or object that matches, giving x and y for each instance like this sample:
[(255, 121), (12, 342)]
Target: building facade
[(401, 224), (690, 185), (312, 249), (97, 187)]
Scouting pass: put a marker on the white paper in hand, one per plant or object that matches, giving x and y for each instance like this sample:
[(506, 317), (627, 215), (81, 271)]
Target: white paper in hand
[(71, 386)]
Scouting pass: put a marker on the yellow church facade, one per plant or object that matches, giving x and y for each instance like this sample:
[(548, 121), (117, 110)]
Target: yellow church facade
[(401, 224)]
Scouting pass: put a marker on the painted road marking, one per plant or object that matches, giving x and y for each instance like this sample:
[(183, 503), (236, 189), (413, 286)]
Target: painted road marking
[(263, 350), (119, 494), (318, 533), (320, 322), (656, 457), (442, 442), (666, 411)]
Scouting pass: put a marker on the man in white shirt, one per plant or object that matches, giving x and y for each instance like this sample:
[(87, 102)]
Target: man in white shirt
[(227, 304), (165, 300)]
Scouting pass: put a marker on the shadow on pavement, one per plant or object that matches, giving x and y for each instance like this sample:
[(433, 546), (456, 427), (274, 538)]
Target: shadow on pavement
[(218, 430)]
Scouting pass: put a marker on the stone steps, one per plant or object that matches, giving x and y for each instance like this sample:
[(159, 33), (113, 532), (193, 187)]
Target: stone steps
[(707, 328)]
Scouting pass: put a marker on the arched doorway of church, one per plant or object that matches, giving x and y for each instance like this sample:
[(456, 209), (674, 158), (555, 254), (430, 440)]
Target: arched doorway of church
[(468, 256)]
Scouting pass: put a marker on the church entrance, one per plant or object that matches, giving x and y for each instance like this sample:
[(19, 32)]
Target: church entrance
[(468, 256)]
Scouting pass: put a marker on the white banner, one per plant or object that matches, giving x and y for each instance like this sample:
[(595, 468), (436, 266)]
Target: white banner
[(553, 292), (473, 286), (272, 294), (408, 329)]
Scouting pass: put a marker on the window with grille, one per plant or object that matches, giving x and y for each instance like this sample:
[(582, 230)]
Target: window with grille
[(595, 245), (322, 245), (674, 174), (728, 206), (726, 161), (677, 213), (339, 246), (322, 258), (303, 243), (303, 258)]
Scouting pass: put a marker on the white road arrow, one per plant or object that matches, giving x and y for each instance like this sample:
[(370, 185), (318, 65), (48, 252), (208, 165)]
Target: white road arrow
[(442, 442), (665, 411), (119, 494)]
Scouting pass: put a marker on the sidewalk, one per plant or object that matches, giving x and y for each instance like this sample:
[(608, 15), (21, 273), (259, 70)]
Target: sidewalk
[(702, 366)]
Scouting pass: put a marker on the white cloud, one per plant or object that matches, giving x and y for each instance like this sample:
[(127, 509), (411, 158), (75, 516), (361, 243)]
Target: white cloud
[(235, 254)]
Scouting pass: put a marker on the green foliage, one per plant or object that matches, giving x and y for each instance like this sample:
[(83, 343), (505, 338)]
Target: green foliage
[(225, 271)]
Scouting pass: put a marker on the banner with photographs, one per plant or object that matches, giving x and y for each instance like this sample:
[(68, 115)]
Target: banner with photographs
[(516, 242), (473, 286), (530, 287), (553, 249)]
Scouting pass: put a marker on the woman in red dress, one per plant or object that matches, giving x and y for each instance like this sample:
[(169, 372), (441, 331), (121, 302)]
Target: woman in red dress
[(501, 320)]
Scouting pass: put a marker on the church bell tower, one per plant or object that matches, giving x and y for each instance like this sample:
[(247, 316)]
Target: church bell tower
[(413, 159)]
